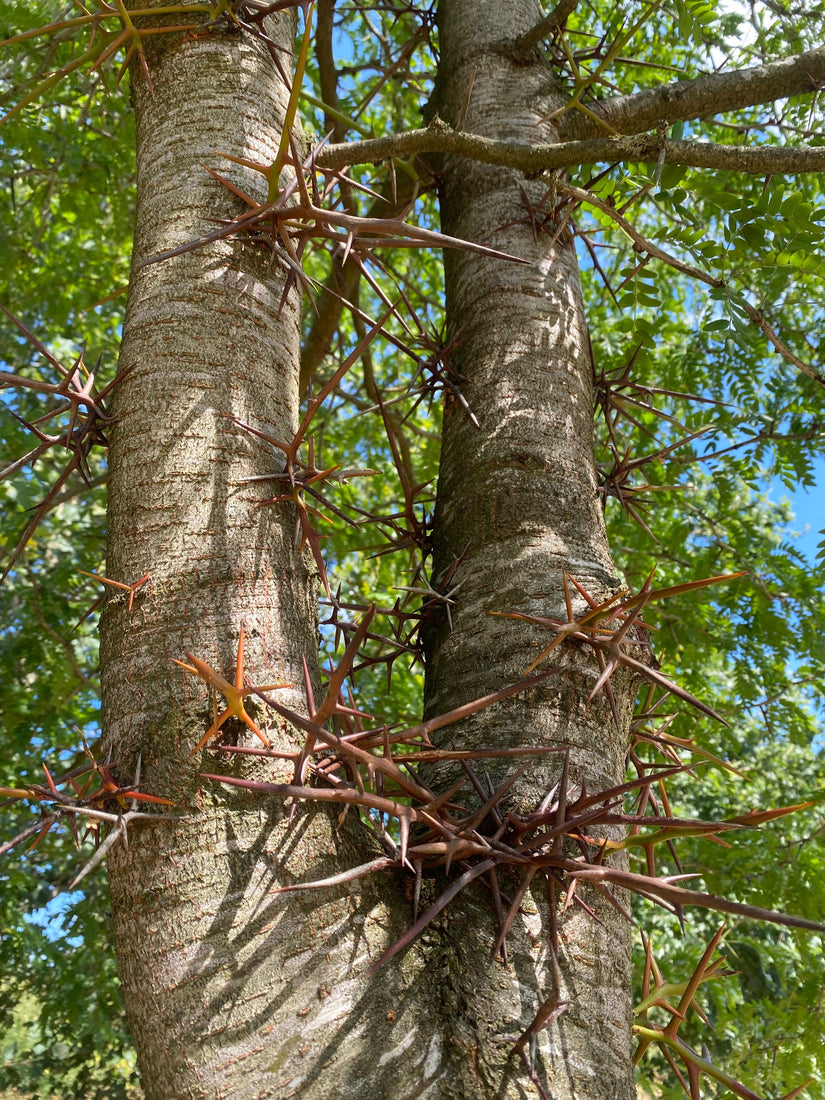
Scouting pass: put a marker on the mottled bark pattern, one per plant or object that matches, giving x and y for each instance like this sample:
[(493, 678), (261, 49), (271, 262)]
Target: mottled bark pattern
[(517, 504)]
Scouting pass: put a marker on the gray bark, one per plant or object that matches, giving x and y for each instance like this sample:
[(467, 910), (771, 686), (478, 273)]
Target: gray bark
[(231, 990), (713, 94), (517, 504)]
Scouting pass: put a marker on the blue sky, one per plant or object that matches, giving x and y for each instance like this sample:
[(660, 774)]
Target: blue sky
[(809, 510)]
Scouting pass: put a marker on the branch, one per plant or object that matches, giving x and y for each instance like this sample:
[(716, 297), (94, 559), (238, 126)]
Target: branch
[(439, 137), (551, 22), (716, 93), (753, 159)]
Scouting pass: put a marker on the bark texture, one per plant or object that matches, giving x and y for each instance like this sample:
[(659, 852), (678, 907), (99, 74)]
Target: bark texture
[(517, 504), (232, 990), (713, 94)]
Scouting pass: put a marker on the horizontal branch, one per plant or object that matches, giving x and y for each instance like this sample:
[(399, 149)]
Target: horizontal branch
[(752, 159), (438, 137), (713, 94)]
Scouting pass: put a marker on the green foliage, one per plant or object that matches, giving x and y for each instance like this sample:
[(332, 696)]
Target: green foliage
[(66, 210), (62, 1025), (754, 649)]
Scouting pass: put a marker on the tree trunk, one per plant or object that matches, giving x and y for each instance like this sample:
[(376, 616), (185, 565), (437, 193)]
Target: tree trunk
[(517, 504), (231, 990)]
